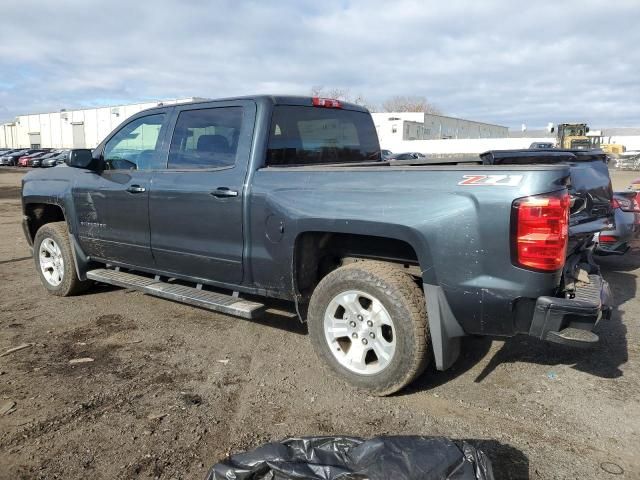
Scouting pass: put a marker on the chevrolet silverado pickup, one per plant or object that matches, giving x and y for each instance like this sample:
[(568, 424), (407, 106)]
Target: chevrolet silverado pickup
[(223, 203)]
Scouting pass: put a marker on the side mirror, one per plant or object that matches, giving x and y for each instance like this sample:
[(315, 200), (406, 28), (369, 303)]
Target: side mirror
[(586, 129), (79, 158)]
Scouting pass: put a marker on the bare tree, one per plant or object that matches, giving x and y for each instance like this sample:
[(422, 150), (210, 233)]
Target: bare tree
[(410, 103), (341, 94)]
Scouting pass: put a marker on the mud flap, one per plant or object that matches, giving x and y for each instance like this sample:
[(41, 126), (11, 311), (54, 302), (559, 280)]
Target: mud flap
[(80, 260), (26, 229), (444, 329)]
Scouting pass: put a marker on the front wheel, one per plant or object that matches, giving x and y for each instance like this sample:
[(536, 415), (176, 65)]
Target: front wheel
[(54, 261), (368, 322)]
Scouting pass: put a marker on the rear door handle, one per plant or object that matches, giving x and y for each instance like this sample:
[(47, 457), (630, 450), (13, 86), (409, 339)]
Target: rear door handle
[(136, 189), (224, 192)]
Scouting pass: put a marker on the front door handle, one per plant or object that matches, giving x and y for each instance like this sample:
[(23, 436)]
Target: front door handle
[(223, 192), (136, 189)]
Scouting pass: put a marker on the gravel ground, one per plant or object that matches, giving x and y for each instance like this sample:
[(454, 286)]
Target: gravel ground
[(172, 389)]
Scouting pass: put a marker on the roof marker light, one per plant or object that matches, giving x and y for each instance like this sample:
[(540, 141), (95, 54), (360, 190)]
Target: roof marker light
[(326, 102)]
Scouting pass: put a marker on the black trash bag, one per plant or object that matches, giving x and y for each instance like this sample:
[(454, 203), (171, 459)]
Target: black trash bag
[(352, 458)]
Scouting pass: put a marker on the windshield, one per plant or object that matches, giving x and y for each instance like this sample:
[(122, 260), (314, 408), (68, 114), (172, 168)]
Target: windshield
[(575, 131)]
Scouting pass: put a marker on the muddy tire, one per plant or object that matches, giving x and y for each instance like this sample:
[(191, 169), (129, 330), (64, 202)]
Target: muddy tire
[(54, 261), (368, 323)]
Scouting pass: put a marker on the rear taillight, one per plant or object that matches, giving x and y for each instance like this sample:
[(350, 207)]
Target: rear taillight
[(607, 239), (634, 204), (326, 102), (540, 229), (627, 203)]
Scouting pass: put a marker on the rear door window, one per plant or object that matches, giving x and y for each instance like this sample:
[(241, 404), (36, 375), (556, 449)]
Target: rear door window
[(302, 135), (206, 138)]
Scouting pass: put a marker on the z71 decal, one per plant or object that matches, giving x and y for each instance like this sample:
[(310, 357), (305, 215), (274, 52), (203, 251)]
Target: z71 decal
[(493, 180)]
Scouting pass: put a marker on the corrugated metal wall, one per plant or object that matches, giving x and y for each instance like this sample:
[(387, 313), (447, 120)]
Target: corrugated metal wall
[(56, 129)]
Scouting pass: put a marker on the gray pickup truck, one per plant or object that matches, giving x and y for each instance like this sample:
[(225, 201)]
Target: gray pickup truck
[(220, 204)]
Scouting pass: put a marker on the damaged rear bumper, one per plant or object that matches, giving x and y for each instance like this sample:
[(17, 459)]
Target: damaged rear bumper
[(570, 321)]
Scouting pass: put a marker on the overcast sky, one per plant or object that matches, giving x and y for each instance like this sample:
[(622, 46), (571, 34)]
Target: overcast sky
[(508, 62)]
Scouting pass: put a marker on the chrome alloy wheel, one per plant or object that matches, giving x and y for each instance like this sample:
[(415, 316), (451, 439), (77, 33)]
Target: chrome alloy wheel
[(360, 332), (51, 262)]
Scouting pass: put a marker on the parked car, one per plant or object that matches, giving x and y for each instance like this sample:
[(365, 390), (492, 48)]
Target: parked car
[(389, 263), (543, 145), (616, 241), (50, 154), (6, 151), (11, 158), (35, 160), (386, 154), (54, 158), (53, 161), (408, 156), (29, 160)]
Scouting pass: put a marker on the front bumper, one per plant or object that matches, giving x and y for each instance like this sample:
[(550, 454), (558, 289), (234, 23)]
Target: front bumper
[(570, 321)]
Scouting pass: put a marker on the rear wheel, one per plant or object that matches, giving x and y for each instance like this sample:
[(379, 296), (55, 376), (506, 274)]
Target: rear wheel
[(54, 260), (368, 322)]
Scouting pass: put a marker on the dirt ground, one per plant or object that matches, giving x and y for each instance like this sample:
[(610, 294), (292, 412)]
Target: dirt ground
[(173, 388)]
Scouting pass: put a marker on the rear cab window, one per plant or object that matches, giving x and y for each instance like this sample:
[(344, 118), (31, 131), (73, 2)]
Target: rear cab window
[(306, 135)]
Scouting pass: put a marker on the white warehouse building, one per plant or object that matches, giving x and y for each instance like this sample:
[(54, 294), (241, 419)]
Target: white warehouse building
[(393, 127), (83, 128)]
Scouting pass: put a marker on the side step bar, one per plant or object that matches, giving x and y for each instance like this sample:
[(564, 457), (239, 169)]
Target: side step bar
[(216, 302)]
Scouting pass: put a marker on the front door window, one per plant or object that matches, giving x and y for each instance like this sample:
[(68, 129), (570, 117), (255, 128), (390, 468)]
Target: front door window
[(134, 147)]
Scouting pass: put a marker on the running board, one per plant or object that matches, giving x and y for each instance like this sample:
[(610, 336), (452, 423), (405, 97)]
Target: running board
[(217, 302)]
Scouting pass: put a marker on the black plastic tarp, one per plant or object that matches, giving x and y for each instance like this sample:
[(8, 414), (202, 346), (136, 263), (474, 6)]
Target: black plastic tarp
[(352, 458)]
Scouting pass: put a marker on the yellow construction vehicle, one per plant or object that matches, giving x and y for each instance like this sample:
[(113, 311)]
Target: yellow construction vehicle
[(578, 136), (573, 136), (598, 140)]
